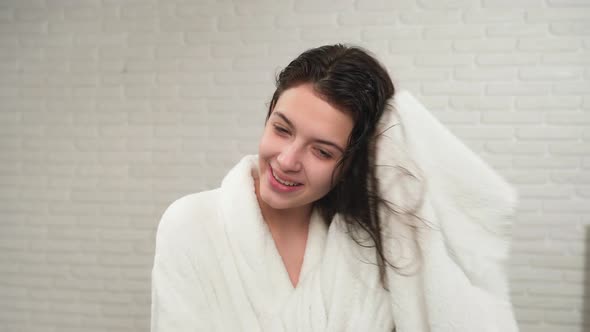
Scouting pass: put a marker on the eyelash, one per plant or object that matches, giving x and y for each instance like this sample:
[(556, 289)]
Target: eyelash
[(281, 130), (322, 153)]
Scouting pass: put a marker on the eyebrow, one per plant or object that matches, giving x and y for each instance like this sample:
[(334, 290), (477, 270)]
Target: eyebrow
[(321, 141)]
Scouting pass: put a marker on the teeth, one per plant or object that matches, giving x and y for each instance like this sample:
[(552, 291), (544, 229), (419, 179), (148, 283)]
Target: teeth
[(286, 183)]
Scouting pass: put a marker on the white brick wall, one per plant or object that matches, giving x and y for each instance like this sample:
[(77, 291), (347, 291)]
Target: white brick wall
[(110, 110)]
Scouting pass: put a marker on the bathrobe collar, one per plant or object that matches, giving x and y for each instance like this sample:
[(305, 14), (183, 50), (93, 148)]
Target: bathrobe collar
[(267, 280)]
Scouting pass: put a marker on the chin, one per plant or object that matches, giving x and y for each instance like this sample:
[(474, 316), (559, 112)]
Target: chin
[(270, 199)]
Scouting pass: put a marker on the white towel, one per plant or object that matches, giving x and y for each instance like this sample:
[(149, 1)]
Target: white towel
[(465, 241)]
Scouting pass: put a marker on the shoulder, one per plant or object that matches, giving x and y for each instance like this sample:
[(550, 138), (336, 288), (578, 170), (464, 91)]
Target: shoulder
[(185, 217)]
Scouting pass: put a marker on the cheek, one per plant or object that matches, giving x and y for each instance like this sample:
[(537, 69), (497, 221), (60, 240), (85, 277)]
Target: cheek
[(324, 178), (265, 145)]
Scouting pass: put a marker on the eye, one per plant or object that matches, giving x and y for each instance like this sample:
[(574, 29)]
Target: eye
[(323, 154), (280, 130)]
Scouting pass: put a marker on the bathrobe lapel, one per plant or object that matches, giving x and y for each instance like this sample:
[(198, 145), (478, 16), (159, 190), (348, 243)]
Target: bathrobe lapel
[(336, 290), (258, 261)]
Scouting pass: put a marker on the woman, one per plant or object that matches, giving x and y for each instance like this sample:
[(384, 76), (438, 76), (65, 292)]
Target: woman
[(300, 237)]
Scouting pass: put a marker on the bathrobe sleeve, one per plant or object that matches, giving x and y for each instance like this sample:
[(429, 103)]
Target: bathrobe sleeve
[(178, 300)]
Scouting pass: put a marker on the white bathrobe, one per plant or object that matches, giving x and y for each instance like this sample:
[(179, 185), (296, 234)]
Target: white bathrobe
[(216, 267)]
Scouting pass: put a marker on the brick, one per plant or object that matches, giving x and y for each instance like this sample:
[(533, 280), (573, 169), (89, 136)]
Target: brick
[(144, 25), (547, 102), (484, 74), (517, 89), (242, 77), (82, 27), (90, 39), (197, 10), (543, 192), (556, 14), (37, 14), (69, 53), (568, 3), (413, 46), (80, 285), (44, 39), (257, 22), (383, 5), (221, 37), (484, 46), (547, 302), (164, 38), (552, 45), (43, 66), (328, 6), (276, 35), (550, 73), (549, 133), (230, 51), (396, 34), (507, 59), (512, 30), (451, 88), (125, 236), (101, 92), (493, 15), (512, 4), (568, 118), (136, 11), (23, 4), (519, 148), (512, 118), (150, 92), (23, 27), (563, 316), (338, 34), (128, 53), (559, 262), (70, 80), (443, 60), (358, 19), (479, 102), (75, 3), (578, 206), (454, 32), (414, 75), (90, 13), (446, 4), (179, 25), (571, 88), (128, 79), (579, 28), (485, 133), (429, 17)]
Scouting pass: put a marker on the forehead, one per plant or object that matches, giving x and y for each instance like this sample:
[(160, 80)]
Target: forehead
[(313, 115)]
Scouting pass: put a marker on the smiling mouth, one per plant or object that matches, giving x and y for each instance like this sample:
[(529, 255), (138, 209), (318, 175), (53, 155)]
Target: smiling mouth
[(283, 182)]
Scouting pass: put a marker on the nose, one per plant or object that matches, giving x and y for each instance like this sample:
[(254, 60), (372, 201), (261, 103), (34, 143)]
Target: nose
[(289, 159)]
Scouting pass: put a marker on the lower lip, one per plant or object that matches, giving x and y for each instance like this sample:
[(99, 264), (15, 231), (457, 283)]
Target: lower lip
[(279, 186)]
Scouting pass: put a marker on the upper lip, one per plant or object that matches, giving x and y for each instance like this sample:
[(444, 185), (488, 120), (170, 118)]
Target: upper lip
[(281, 176)]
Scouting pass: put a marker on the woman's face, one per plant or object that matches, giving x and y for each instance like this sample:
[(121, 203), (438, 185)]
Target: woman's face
[(303, 140)]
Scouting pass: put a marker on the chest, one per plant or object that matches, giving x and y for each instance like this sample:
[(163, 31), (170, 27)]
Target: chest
[(292, 252)]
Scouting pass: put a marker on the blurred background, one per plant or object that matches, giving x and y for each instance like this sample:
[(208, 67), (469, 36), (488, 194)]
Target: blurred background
[(112, 109)]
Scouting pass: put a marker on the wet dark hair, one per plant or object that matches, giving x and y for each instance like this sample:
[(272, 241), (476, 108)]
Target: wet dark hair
[(350, 79)]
